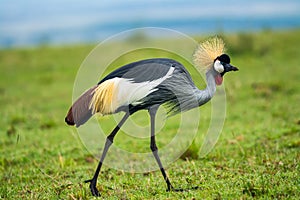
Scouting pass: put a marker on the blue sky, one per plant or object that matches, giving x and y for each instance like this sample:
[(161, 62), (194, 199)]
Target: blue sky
[(22, 19)]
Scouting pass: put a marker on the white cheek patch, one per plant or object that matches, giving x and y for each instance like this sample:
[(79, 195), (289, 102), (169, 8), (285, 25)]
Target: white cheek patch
[(218, 66)]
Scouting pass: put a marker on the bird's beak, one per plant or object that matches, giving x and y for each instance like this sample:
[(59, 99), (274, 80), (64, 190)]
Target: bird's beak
[(230, 67)]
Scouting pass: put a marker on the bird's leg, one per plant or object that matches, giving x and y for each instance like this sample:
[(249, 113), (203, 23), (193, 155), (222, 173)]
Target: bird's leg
[(109, 141), (154, 149), (152, 112)]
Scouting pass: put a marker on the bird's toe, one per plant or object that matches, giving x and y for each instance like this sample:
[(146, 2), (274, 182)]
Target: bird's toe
[(95, 191)]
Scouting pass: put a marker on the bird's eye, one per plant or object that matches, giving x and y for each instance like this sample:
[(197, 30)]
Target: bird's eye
[(218, 66)]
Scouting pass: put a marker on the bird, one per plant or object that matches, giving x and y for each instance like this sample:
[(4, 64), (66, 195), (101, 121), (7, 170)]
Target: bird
[(146, 85)]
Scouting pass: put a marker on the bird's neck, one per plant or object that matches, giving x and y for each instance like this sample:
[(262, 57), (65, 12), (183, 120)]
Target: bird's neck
[(203, 96)]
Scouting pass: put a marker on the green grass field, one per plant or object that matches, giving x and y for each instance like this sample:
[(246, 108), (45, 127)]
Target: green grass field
[(256, 156)]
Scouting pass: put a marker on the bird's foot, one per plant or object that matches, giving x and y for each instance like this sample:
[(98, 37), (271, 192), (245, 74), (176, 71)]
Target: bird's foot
[(93, 187)]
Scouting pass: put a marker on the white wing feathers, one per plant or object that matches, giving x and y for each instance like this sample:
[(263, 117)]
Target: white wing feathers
[(117, 92), (129, 92)]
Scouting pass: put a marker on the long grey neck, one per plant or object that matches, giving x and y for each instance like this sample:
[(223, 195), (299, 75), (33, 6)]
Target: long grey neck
[(203, 96)]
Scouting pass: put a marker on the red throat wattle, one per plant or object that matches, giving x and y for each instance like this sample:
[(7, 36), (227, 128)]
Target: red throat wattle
[(218, 79)]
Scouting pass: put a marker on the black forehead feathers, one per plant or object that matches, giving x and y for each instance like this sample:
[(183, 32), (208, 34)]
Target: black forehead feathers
[(224, 58)]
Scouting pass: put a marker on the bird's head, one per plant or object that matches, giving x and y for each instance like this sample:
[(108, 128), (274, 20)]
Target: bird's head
[(210, 56), (221, 66)]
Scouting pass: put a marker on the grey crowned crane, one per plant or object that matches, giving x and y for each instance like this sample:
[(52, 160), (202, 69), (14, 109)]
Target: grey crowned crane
[(147, 84)]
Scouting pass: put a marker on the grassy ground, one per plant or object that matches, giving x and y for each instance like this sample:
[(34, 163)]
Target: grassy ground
[(256, 156)]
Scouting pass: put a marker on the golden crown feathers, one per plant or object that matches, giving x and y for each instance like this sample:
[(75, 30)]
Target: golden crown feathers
[(207, 51)]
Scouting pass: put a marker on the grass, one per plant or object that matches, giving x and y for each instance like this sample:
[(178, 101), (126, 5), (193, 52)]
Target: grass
[(257, 155)]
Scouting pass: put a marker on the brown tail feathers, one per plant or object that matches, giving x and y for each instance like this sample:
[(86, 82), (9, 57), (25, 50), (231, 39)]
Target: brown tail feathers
[(80, 112)]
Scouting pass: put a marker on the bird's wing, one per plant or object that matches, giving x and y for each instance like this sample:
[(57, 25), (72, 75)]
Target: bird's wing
[(131, 91), (130, 84), (141, 71)]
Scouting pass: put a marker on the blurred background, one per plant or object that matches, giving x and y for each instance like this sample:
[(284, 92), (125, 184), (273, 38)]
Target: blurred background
[(33, 22), (44, 43)]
